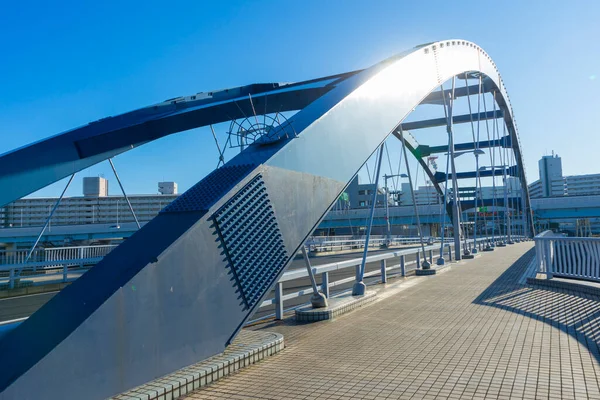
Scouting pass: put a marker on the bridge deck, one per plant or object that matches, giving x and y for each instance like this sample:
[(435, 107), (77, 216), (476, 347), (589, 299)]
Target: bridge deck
[(472, 332)]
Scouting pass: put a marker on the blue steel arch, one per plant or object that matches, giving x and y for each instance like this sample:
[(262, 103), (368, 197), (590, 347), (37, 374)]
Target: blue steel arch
[(206, 261)]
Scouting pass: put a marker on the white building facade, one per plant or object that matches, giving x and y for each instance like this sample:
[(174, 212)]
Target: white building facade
[(88, 209)]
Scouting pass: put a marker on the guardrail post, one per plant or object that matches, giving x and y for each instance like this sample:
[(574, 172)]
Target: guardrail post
[(279, 300), (449, 253), (358, 272), (81, 257), (403, 265), (431, 256), (325, 283), (11, 278), (548, 258), (383, 271), (538, 255), (418, 260)]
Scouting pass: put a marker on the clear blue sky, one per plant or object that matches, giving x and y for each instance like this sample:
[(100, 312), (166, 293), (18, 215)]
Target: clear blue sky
[(66, 63)]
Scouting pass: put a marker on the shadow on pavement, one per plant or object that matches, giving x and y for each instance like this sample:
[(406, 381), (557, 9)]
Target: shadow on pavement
[(574, 313)]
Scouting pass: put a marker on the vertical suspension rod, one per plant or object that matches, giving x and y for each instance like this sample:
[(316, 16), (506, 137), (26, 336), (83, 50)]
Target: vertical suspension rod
[(48, 219), (124, 194), (492, 161), (476, 153), (425, 264), (372, 213), (443, 211), (455, 205), (221, 158)]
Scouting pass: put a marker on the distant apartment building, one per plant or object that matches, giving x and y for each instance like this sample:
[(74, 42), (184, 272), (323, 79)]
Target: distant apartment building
[(167, 187), (423, 195), (553, 184), (94, 207), (535, 190), (95, 186), (582, 185), (360, 195), (550, 168)]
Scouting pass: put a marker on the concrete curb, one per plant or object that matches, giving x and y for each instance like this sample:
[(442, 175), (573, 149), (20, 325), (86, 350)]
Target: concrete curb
[(248, 348), (337, 306), (435, 269), (569, 286)]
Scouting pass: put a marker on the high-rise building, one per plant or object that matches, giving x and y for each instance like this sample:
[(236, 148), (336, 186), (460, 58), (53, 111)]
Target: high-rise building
[(551, 176), (553, 184)]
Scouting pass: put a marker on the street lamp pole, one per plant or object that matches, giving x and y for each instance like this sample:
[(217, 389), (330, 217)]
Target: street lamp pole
[(387, 207)]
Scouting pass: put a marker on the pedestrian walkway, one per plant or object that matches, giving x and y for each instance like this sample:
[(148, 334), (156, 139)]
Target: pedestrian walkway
[(471, 332)]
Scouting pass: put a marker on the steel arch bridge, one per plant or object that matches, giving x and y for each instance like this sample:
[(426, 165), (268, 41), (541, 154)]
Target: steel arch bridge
[(181, 288)]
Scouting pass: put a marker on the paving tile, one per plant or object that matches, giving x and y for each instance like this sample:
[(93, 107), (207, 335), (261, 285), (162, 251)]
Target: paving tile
[(471, 332)]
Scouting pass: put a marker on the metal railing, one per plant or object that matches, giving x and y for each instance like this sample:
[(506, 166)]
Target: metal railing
[(9, 257), (385, 259), (568, 257), (65, 264), (339, 243), (46, 266)]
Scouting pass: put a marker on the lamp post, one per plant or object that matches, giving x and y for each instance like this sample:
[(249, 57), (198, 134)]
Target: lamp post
[(387, 205)]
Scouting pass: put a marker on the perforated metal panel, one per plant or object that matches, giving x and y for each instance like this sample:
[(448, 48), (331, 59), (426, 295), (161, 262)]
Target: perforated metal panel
[(252, 242), (206, 192)]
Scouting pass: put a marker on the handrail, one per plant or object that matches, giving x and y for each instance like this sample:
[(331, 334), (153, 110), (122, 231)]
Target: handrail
[(568, 257), (292, 275), (325, 269), (42, 270), (302, 273), (8, 257)]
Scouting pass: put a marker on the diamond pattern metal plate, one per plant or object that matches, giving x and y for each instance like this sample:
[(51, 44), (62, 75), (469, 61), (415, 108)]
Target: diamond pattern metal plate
[(252, 242)]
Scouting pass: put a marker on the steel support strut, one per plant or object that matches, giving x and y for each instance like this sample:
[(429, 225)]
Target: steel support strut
[(359, 287), (318, 300)]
